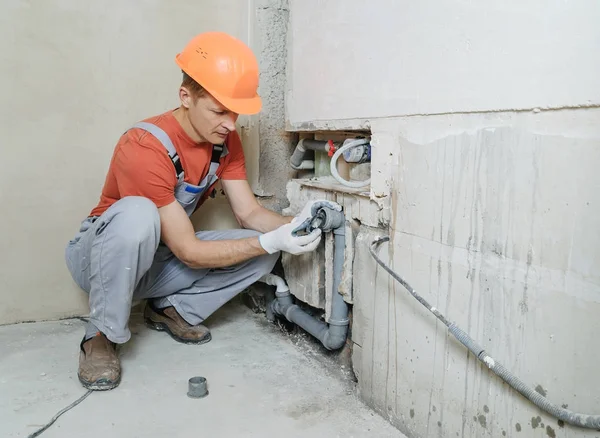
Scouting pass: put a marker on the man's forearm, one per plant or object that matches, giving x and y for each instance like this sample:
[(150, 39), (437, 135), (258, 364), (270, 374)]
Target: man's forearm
[(221, 253), (265, 220)]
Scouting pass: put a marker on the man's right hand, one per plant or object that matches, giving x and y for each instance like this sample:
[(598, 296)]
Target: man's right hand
[(282, 239)]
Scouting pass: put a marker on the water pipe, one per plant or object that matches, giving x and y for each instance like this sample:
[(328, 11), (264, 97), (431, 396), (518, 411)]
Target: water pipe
[(297, 160), (348, 144), (570, 417), (332, 335)]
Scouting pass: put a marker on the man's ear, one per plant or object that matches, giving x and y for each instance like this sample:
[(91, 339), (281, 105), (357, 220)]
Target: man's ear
[(185, 96)]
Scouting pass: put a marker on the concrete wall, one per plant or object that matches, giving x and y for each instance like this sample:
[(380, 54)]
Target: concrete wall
[(486, 140), (276, 145), (73, 76)]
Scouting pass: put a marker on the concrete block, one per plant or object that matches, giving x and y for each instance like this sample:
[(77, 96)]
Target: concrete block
[(347, 282), (305, 275)]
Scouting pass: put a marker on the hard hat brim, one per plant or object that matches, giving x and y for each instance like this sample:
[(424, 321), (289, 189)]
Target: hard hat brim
[(249, 106)]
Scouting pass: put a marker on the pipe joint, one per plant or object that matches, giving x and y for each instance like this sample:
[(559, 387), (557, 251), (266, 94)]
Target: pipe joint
[(289, 311), (282, 294), (334, 341), (339, 322), (327, 220), (275, 307), (340, 231), (281, 304)]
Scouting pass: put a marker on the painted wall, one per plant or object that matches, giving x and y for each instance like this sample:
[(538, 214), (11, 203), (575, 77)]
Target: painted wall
[(73, 76), (492, 213)]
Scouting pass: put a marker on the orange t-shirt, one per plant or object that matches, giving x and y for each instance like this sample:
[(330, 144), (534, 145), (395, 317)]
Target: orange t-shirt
[(140, 165)]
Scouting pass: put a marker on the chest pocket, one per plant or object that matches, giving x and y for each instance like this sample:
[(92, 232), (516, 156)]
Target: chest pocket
[(186, 194)]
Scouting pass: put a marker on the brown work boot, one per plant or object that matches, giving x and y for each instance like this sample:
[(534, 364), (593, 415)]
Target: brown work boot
[(99, 366), (169, 320)]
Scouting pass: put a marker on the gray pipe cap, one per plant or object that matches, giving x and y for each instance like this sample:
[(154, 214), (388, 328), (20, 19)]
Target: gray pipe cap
[(197, 387)]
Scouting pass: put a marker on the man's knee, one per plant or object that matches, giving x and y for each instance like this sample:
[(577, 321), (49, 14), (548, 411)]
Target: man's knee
[(136, 207), (135, 219)]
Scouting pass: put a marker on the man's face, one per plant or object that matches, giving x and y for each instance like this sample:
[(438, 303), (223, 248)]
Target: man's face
[(209, 119)]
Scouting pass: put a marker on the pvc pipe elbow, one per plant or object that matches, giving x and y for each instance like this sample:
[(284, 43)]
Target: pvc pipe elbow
[(275, 280), (334, 341)]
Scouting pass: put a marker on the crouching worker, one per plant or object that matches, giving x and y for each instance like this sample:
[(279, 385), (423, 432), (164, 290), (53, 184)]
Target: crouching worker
[(139, 242)]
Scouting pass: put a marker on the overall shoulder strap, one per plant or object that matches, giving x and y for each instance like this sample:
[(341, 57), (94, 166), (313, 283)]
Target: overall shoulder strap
[(163, 137), (218, 151)]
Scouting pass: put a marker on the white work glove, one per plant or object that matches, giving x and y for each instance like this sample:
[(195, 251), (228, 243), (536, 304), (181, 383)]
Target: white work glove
[(282, 239), (311, 208)]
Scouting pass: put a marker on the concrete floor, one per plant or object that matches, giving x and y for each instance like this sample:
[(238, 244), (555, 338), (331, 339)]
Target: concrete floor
[(260, 383)]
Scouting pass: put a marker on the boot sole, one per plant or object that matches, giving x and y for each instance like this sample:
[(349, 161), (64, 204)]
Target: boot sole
[(162, 327), (99, 385)]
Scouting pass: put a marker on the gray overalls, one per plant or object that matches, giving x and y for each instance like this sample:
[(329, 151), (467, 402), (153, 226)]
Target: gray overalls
[(186, 194), (118, 257)]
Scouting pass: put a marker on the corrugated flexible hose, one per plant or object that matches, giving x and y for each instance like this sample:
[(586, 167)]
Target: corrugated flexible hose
[(569, 417)]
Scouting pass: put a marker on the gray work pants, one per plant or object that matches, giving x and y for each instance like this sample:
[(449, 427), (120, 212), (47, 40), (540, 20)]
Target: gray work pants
[(117, 257)]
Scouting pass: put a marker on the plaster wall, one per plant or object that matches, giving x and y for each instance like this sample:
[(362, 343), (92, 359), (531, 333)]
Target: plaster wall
[(75, 75)]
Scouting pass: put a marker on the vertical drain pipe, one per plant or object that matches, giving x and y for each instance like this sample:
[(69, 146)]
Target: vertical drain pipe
[(338, 322), (333, 335)]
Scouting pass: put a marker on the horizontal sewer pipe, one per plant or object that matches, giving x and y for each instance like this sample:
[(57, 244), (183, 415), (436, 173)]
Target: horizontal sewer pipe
[(332, 335), (297, 160)]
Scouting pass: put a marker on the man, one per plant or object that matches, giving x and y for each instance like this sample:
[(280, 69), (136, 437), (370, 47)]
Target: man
[(139, 242)]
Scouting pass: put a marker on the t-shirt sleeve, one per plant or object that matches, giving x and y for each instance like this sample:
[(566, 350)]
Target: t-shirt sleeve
[(236, 166), (141, 168)]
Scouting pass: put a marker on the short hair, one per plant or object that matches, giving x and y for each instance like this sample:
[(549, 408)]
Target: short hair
[(195, 89)]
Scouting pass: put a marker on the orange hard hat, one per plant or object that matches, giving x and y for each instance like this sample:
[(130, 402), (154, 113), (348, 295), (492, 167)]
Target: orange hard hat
[(226, 68)]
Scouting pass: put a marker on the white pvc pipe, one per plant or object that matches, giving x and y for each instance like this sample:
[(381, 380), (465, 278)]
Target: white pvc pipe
[(275, 280), (306, 164), (333, 165)]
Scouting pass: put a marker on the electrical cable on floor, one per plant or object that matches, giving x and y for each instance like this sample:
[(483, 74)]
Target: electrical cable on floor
[(570, 417), (51, 422)]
